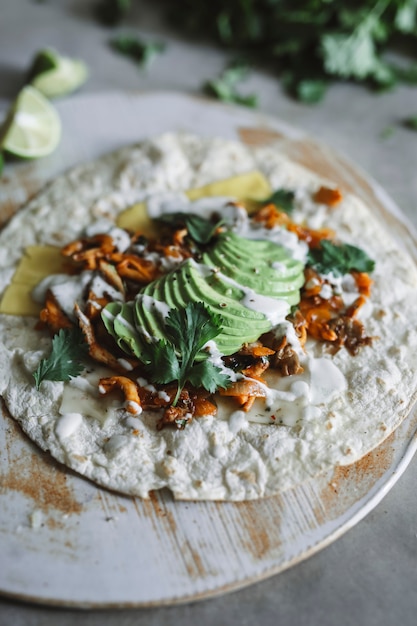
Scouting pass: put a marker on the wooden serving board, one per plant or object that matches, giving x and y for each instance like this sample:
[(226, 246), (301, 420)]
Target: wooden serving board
[(65, 541)]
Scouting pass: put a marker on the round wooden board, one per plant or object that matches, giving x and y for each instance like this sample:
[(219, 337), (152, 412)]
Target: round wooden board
[(65, 541)]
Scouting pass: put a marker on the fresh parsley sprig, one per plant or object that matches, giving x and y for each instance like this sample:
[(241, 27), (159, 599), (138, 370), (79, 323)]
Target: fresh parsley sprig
[(411, 122), (199, 229), (339, 259), (311, 43), (283, 199), (225, 87), (143, 52), (181, 358), (66, 358)]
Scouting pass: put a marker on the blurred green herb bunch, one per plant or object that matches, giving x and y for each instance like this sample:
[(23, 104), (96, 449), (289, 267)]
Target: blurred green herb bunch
[(310, 43)]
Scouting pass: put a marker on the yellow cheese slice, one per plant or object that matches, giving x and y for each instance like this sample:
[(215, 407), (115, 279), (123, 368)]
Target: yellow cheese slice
[(36, 263), (41, 261), (248, 188)]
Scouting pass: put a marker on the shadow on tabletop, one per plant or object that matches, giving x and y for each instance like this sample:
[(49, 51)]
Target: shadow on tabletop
[(12, 80)]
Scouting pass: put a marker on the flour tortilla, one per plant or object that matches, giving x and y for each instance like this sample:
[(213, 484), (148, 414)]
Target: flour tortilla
[(210, 459)]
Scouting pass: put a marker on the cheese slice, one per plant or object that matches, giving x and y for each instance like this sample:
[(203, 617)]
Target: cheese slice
[(36, 263), (41, 261), (250, 188)]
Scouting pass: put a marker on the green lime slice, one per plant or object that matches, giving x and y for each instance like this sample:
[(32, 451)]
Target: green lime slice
[(32, 128), (55, 75)]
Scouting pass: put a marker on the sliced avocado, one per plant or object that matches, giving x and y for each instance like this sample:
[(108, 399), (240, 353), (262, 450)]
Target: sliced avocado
[(257, 257), (249, 263), (147, 310), (245, 270), (119, 321), (239, 324)]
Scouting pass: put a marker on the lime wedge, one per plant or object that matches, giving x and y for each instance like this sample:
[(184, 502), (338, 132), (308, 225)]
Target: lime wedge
[(32, 128), (55, 75)]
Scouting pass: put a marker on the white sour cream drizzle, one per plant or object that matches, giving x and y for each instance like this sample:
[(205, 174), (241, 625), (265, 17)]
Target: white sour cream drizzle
[(125, 364), (101, 288), (273, 309), (297, 249), (133, 407), (166, 202), (216, 358), (321, 381), (142, 382), (132, 329), (67, 424), (121, 238), (344, 286), (238, 420), (67, 290), (81, 395), (175, 202), (286, 329), (326, 380), (149, 303)]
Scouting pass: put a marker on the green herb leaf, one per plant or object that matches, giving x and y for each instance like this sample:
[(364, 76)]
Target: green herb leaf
[(317, 41), (205, 374), (307, 83), (407, 74), (1, 163), (181, 358), (199, 229), (311, 90), (411, 122), (405, 18), (349, 56), (65, 361), (387, 132), (354, 54), (143, 52), (225, 87), (283, 199), (339, 259), (161, 361)]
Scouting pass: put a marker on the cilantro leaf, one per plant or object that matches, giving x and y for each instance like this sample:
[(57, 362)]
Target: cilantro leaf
[(411, 122), (405, 18), (205, 374), (354, 54), (310, 90), (283, 199), (65, 360), (387, 132), (339, 259), (349, 56), (199, 229), (140, 51), (181, 358), (161, 362), (307, 84), (225, 87), (317, 41), (191, 328), (407, 74)]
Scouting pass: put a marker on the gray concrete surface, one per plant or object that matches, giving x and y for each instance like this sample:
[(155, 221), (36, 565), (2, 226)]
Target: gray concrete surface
[(369, 576)]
